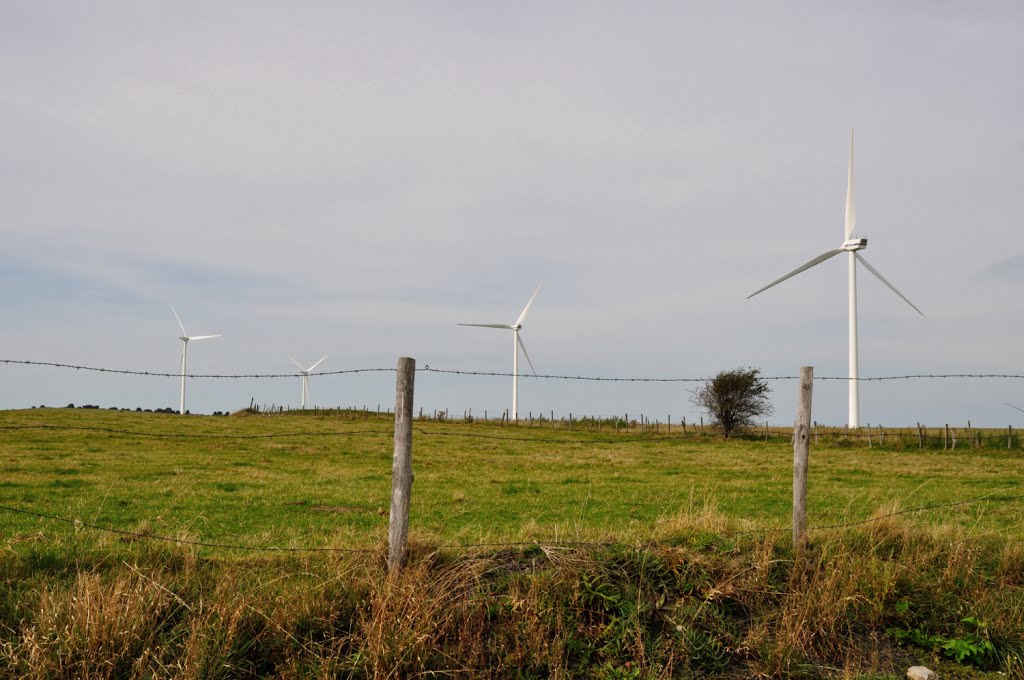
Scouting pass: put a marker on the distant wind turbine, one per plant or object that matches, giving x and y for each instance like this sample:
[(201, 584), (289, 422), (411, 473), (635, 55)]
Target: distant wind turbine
[(517, 344), (185, 337), (304, 372), (851, 245)]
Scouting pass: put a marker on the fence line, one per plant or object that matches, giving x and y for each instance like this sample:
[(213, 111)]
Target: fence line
[(427, 369), (890, 438), (989, 498), (179, 435)]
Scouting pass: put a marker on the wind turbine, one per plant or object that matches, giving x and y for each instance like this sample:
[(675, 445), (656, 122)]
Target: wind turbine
[(304, 372), (185, 337), (517, 344), (850, 245)]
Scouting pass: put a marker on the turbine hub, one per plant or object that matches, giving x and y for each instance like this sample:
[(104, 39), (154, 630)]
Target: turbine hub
[(855, 244)]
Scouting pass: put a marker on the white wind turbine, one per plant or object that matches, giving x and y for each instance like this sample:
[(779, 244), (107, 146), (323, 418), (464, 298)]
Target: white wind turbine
[(850, 245), (185, 337), (304, 372), (517, 344)]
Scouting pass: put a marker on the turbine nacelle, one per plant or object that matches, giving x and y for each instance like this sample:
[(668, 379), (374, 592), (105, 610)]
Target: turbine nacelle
[(854, 244)]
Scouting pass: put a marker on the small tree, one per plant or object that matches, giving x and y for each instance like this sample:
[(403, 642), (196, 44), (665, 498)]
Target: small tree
[(734, 399)]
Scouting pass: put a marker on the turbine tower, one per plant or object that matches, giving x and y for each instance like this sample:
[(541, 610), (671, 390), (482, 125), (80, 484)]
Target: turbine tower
[(185, 337), (517, 344), (850, 246), (304, 372)]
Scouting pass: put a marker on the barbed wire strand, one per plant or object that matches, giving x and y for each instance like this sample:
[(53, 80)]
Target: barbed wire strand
[(510, 544), (181, 541), (501, 374)]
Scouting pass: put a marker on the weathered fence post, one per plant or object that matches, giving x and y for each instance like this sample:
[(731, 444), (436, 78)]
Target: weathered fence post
[(401, 467), (1009, 437), (945, 438), (920, 437), (801, 444)]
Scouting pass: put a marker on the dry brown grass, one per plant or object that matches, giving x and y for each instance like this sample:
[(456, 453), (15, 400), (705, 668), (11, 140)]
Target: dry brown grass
[(702, 603)]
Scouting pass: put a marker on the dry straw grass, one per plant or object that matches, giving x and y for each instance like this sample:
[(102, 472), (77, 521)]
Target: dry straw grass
[(700, 603)]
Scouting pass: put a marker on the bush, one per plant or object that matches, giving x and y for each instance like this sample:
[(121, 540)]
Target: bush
[(733, 399)]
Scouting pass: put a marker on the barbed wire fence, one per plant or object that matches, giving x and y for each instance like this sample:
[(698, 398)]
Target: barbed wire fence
[(526, 376), (608, 430)]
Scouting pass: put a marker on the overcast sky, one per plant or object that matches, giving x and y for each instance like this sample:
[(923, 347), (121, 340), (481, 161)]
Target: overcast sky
[(354, 179)]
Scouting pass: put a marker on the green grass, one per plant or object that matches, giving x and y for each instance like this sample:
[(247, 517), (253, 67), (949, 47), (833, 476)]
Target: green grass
[(330, 484), (943, 588)]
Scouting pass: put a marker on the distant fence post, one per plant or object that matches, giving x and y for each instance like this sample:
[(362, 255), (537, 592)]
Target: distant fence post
[(401, 467), (801, 444)]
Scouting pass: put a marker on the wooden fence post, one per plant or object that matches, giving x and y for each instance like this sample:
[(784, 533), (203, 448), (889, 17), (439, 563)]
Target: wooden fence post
[(801, 444), (1009, 437), (401, 467), (920, 437), (945, 438)]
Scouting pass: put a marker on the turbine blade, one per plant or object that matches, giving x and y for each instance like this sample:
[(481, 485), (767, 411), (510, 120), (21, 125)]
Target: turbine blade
[(1012, 406), (526, 309), (818, 260), (489, 325), (882, 279), (851, 213), (523, 347), (316, 364), (180, 325), (296, 363), (204, 337)]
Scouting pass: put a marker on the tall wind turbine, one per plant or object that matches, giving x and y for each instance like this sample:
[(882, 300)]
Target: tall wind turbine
[(850, 245), (517, 344), (185, 337), (304, 372)]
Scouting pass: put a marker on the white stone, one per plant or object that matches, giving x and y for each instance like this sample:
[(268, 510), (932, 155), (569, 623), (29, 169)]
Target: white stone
[(921, 673)]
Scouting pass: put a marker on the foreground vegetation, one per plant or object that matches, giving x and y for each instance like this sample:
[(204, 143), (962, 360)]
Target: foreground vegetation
[(679, 576), (863, 603)]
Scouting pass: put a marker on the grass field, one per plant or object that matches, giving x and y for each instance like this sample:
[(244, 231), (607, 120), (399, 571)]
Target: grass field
[(325, 481), (690, 588)]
